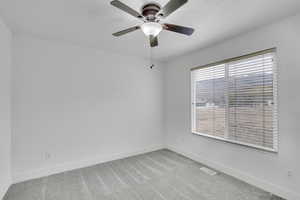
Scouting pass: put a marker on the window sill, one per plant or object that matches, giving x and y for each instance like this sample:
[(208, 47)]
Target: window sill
[(236, 142)]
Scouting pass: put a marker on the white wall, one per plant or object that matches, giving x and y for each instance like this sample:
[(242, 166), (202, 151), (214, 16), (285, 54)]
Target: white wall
[(5, 131), (268, 170), (80, 105)]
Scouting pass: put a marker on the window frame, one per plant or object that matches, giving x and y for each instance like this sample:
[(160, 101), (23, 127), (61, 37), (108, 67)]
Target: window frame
[(226, 62)]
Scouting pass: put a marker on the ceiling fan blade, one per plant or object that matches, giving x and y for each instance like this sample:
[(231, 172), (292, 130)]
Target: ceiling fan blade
[(126, 8), (153, 41), (120, 33), (171, 6), (179, 29)]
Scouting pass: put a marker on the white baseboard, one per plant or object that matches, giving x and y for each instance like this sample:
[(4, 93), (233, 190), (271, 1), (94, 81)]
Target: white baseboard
[(267, 186), (4, 190), (42, 172)]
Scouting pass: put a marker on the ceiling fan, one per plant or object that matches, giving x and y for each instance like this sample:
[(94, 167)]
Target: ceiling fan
[(151, 15)]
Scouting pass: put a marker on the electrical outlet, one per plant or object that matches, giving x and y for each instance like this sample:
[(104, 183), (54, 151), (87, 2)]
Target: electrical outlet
[(47, 156), (289, 174)]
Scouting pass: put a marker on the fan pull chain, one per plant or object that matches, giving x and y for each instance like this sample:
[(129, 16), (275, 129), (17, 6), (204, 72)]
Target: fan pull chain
[(151, 58)]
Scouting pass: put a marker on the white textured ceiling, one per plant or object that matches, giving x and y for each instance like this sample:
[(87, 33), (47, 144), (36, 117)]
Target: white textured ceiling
[(91, 22)]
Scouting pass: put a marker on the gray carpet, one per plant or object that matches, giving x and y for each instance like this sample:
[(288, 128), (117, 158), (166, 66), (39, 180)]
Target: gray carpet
[(159, 175)]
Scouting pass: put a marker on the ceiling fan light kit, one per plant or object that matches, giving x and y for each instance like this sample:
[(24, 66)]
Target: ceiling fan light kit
[(151, 15), (151, 28)]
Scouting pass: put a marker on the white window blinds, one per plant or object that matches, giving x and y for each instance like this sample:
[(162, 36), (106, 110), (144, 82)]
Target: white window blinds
[(235, 100), (209, 104)]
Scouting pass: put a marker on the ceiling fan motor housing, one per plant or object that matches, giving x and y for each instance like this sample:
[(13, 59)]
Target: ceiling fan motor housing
[(150, 10)]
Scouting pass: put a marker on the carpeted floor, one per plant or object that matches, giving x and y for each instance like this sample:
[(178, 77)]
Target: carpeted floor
[(159, 175)]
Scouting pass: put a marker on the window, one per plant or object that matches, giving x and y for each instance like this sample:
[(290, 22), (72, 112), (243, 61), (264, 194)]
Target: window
[(235, 100)]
